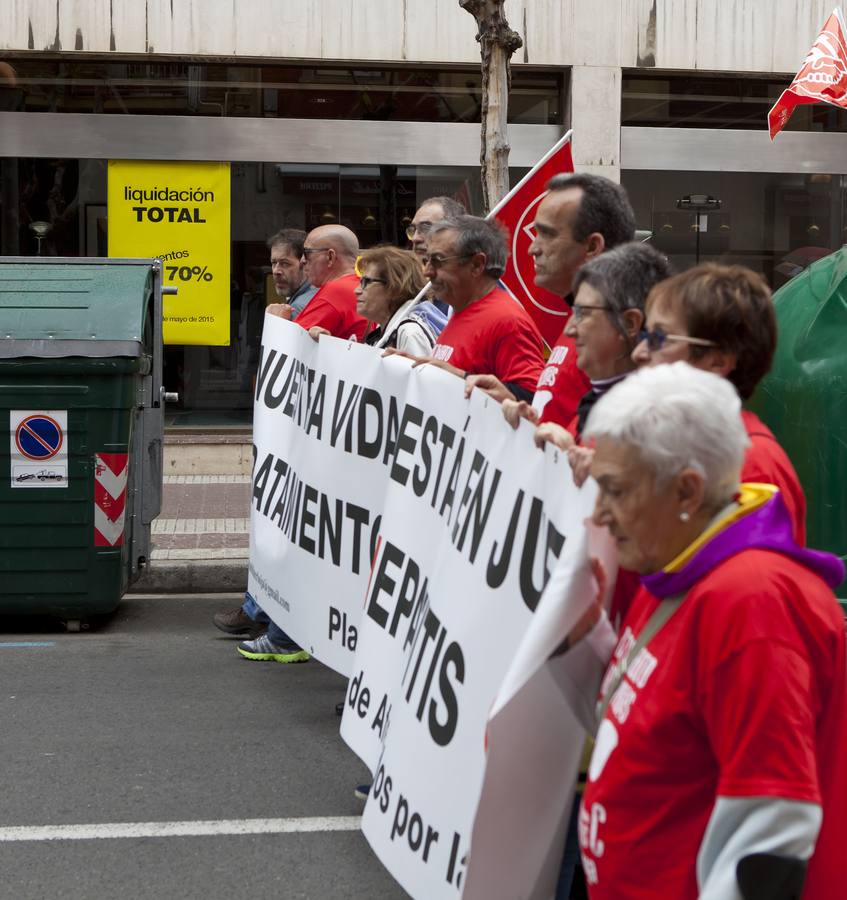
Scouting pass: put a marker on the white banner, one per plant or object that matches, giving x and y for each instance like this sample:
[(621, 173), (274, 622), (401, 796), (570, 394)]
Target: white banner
[(322, 458), (405, 536)]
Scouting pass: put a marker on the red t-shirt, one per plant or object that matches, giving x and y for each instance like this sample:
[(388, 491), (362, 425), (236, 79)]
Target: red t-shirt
[(334, 308), (493, 336), (767, 463), (561, 384), (743, 693)]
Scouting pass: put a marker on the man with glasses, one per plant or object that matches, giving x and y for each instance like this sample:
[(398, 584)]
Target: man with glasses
[(288, 271), (329, 259), (433, 210), (293, 288), (488, 331)]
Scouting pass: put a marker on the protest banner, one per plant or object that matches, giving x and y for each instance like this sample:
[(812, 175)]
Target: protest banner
[(405, 535), (479, 537), (178, 212), (428, 778), (322, 458), (426, 742)]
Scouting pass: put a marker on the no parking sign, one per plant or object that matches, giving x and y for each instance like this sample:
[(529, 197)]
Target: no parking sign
[(39, 453)]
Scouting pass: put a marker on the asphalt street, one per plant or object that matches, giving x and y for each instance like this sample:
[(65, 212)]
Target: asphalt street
[(154, 718)]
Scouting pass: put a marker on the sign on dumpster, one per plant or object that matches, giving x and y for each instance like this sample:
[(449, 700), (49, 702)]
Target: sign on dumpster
[(38, 451), (178, 212)]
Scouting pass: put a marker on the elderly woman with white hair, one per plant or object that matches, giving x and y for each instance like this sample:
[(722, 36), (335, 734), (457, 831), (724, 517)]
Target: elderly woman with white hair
[(723, 713)]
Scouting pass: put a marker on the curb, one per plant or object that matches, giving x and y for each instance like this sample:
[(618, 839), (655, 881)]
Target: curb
[(196, 576)]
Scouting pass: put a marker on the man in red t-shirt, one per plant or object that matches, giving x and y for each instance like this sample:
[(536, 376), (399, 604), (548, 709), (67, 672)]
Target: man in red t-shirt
[(488, 331), (581, 217), (329, 256)]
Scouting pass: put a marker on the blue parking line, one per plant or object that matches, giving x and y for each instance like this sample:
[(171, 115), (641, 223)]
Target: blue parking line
[(27, 643)]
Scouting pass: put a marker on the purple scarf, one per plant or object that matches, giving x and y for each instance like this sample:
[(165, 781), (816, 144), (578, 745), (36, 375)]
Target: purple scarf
[(767, 527)]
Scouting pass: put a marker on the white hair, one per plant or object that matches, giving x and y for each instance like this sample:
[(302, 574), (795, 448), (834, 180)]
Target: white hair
[(677, 417)]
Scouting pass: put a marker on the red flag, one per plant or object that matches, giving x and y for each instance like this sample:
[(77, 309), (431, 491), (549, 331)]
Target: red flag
[(822, 77), (517, 212)]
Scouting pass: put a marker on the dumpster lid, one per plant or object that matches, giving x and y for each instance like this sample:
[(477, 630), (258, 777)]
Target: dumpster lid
[(55, 307)]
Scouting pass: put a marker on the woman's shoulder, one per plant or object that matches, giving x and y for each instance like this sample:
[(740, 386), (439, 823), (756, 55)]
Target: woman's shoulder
[(755, 571), (765, 591), (414, 334)]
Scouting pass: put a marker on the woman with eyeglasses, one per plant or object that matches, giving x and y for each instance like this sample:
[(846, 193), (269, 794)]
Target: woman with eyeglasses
[(608, 316), (390, 282), (721, 319)]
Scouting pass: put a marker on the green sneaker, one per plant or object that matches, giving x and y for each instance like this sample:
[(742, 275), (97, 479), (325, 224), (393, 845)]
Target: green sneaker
[(264, 650)]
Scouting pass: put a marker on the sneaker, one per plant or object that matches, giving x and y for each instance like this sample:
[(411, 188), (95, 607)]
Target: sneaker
[(263, 650), (237, 622), (362, 792)]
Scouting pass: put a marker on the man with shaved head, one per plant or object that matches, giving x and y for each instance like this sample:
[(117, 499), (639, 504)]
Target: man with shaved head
[(329, 257)]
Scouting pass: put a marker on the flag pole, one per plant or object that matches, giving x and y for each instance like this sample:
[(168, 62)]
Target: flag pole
[(555, 148)]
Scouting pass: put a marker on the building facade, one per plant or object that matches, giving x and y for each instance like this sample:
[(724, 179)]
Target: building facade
[(356, 110)]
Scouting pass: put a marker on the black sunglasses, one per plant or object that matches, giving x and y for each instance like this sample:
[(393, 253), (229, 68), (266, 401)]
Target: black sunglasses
[(364, 281)]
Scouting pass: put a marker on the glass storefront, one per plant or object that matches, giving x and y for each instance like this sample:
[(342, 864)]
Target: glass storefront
[(265, 90), (57, 207), (776, 224), (704, 100)]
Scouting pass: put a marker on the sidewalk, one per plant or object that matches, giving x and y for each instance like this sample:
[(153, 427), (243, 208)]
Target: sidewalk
[(201, 539)]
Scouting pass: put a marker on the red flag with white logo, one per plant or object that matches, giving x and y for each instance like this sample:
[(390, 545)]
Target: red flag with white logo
[(517, 212), (822, 77)]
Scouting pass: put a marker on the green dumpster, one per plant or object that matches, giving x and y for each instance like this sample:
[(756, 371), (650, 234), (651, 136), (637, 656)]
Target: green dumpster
[(80, 391), (804, 398)]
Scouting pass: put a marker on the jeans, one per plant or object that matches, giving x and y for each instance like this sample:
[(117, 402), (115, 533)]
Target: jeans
[(275, 634)]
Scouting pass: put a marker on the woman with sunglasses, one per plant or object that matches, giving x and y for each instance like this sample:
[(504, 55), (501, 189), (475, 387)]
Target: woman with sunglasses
[(721, 319), (390, 282)]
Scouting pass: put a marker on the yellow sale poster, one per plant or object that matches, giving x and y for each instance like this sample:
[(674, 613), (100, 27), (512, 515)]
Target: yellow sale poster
[(178, 212)]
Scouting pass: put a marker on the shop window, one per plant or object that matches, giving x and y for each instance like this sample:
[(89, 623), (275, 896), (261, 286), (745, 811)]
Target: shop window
[(696, 100), (57, 207), (777, 224), (397, 94)]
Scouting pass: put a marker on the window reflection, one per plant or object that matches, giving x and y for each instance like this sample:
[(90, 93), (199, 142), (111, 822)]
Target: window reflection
[(777, 224), (696, 100), (215, 383), (273, 91)]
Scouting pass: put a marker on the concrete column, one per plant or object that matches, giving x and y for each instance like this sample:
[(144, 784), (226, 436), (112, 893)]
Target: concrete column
[(595, 116)]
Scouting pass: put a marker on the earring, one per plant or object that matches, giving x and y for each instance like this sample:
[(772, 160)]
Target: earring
[(684, 516)]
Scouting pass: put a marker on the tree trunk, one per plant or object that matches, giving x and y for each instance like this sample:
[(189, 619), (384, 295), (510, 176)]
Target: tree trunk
[(497, 44)]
